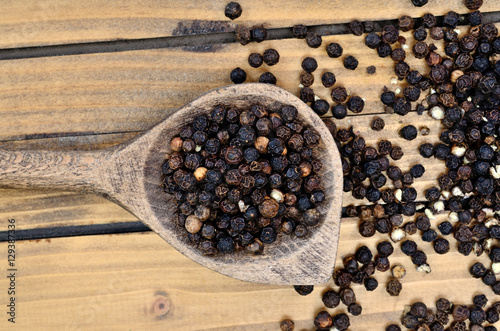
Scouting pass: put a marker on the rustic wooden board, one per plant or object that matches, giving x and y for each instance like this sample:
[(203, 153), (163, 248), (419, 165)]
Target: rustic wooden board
[(132, 91), (111, 282), (34, 23)]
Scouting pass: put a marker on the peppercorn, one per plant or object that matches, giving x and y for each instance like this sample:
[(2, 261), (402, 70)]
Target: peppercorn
[(331, 299), (320, 107), (401, 106), (243, 35), (238, 75), (309, 64), (354, 309), (372, 40), (451, 19), (408, 132), (419, 3), (390, 34), (271, 56), (339, 94), (377, 124), (304, 289), (287, 325), (367, 229), (233, 10), (492, 315), (420, 34), (350, 62), (384, 50), (397, 153), (394, 287), (267, 78), (409, 247), (334, 50), (328, 79), (356, 28), (475, 18), (341, 322), (370, 70), (258, 33), (323, 320), (370, 283), (313, 40), (436, 33), (394, 327)]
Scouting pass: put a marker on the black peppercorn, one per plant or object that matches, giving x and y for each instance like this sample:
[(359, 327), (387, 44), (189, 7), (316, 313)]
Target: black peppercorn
[(350, 62), (309, 64), (372, 40), (328, 79), (394, 287), (258, 34), (384, 50), (356, 28), (390, 34), (377, 124), (441, 246), (304, 289), (267, 78), (409, 247), (339, 111), (334, 50), (331, 299), (271, 56), (233, 10), (451, 19), (339, 94), (408, 132), (313, 40), (238, 75), (320, 107)]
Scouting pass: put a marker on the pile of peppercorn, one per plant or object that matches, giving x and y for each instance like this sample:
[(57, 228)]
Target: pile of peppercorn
[(242, 176), (419, 317)]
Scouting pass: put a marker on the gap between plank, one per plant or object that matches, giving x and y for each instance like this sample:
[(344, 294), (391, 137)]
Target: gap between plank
[(78, 230), (123, 45)]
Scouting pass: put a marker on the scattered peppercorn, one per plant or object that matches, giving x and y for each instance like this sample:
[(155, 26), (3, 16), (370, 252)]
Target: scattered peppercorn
[(238, 75), (334, 50), (233, 10), (309, 64), (313, 40), (408, 132), (350, 62), (394, 287), (370, 70), (271, 56)]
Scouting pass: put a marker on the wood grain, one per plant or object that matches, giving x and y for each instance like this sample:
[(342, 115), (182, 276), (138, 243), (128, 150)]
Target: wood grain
[(132, 91), (34, 23), (112, 282)]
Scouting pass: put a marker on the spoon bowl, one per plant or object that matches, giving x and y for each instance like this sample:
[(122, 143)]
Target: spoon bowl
[(130, 175)]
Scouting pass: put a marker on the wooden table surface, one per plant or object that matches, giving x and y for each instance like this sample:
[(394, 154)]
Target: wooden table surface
[(90, 74)]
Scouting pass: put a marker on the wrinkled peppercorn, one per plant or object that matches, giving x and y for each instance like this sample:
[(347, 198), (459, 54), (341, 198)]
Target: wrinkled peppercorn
[(271, 56), (350, 62), (233, 10), (299, 31), (309, 64), (334, 50), (313, 40), (394, 287)]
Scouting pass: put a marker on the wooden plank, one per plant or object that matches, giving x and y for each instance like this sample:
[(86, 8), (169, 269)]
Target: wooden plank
[(119, 277), (34, 23), (131, 91)]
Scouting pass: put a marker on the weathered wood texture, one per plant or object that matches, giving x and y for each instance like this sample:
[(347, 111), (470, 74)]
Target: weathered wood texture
[(33, 23), (132, 91), (112, 282)]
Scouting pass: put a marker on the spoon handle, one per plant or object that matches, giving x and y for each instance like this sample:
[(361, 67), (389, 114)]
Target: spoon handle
[(73, 170)]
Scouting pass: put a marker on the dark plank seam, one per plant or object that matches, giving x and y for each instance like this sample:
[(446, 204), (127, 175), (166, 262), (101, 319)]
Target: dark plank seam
[(123, 45)]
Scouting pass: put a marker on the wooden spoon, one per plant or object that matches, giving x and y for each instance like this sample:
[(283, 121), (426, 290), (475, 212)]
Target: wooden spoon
[(130, 175)]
